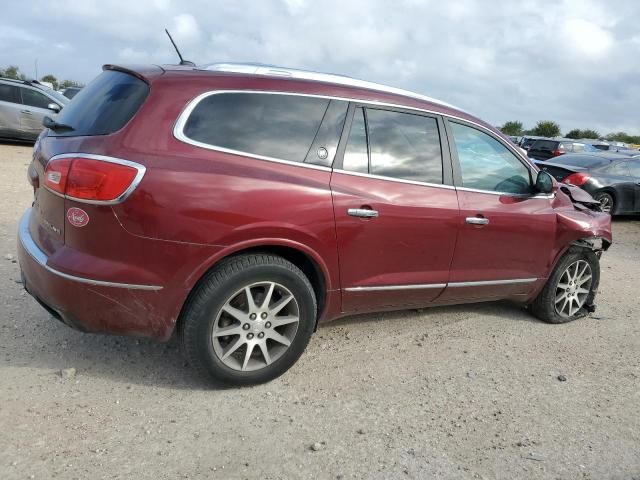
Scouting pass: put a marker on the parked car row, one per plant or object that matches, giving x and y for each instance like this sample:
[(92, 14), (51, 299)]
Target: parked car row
[(23, 106)]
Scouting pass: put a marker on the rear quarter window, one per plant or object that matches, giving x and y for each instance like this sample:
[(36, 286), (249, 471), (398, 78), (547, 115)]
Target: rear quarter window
[(9, 93), (104, 106), (267, 125)]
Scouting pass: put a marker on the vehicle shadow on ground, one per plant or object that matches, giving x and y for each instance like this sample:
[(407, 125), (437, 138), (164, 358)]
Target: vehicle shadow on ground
[(443, 315), (17, 143), (42, 342)]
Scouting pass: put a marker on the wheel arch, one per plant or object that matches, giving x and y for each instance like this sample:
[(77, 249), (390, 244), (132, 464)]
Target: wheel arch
[(301, 256)]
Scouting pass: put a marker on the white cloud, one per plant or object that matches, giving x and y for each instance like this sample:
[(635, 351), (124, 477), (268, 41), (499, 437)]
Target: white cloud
[(586, 38), (568, 60)]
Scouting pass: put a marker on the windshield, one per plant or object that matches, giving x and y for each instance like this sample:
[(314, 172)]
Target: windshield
[(58, 96)]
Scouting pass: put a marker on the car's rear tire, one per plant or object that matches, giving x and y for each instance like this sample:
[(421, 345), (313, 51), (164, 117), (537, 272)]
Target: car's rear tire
[(249, 319), (571, 288), (607, 202)]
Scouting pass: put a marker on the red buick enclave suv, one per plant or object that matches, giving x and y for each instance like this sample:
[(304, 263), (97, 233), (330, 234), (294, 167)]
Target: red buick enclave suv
[(240, 205)]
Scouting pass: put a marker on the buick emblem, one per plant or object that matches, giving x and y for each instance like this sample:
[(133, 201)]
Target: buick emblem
[(77, 217)]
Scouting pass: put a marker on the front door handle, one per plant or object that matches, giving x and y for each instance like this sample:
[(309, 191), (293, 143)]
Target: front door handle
[(362, 212), (477, 221), (28, 112)]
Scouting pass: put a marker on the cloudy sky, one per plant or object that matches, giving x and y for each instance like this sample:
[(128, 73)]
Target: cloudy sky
[(573, 61)]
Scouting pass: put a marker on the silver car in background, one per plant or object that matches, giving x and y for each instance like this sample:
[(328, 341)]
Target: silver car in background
[(23, 105)]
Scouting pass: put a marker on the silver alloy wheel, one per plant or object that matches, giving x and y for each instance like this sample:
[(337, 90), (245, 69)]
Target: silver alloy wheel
[(573, 288), (255, 326), (606, 203)]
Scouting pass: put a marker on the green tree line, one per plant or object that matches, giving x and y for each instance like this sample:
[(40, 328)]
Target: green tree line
[(14, 72), (549, 128)]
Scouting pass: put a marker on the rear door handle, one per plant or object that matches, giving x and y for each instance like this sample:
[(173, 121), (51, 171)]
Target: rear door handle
[(477, 221), (362, 212), (28, 112)]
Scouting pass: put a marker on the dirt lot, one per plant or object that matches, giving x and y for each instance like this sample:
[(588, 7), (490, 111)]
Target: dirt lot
[(458, 393)]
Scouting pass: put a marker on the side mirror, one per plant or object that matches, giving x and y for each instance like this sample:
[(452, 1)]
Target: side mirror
[(54, 107), (544, 182)]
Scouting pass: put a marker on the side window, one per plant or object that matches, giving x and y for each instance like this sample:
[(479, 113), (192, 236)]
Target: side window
[(356, 157), (486, 164), (9, 93), (634, 167), (404, 146), (578, 147), (35, 99), (269, 125), (619, 168)]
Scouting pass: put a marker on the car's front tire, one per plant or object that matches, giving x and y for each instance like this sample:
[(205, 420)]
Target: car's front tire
[(571, 288)]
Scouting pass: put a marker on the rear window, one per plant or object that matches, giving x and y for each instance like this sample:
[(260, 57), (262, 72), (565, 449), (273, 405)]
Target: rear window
[(544, 145), (104, 106), (268, 125)]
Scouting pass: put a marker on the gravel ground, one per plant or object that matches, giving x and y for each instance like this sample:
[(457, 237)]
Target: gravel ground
[(459, 393)]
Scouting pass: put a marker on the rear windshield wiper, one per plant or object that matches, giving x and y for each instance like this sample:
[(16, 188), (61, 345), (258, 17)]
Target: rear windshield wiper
[(49, 122)]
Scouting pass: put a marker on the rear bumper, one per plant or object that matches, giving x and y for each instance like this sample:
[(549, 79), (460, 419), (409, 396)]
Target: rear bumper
[(90, 304)]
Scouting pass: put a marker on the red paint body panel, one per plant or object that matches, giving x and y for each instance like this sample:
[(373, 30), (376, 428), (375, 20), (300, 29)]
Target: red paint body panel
[(196, 206), (410, 243)]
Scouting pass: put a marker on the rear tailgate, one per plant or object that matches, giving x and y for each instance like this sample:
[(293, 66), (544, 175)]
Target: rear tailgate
[(93, 117), (47, 220)]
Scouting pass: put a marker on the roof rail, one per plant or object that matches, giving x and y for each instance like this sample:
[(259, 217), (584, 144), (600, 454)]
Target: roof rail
[(26, 81), (275, 71)]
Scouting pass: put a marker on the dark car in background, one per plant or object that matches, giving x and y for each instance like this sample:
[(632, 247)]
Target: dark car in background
[(611, 179), (527, 141), (545, 148)]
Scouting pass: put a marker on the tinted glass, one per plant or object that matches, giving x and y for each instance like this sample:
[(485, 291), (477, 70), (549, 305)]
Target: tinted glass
[(486, 164), (587, 161), (356, 157), (35, 99), (61, 99), (8, 93), (103, 106), (634, 168), (544, 145), (404, 146), (325, 144), (277, 126), (619, 169)]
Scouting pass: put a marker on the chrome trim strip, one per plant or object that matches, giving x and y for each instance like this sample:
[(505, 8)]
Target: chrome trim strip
[(136, 181), (178, 129), (487, 283), (423, 286), (391, 179), (41, 258), (517, 195)]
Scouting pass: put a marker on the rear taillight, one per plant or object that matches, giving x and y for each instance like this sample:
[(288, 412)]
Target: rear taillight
[(93, 179), (56, 173), (577, 179), (557, 153)]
